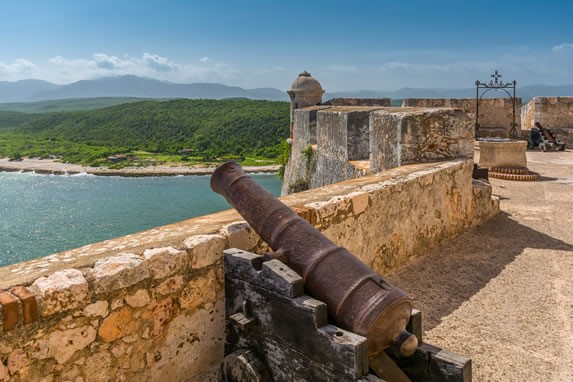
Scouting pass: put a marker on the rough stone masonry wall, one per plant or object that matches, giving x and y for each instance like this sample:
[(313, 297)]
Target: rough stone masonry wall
[(555, 113), (149, 306), (332, 144), (401, 136), (495, 114)]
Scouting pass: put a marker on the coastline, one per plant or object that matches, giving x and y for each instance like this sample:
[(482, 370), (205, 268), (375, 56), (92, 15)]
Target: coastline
[(51, 166)]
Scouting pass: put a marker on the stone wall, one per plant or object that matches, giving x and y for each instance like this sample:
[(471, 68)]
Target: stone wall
[(149, 306), (495, 114), (402, 136), (555, 113), (359, 102), (352, 141)]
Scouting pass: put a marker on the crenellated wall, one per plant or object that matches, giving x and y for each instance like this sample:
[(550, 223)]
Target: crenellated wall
[(555, 113), (149, 306)]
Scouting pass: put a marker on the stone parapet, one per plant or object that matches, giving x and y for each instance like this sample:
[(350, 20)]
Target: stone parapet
[(495, 114), (150, 306), (416, 135), (555, 113), (335, 143)]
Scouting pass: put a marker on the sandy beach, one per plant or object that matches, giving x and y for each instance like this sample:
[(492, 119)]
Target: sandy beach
[(51, 166)]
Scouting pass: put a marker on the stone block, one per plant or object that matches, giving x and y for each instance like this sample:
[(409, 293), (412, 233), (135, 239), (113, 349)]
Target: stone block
[(29, 303), (62, 291), (160, 312), (359, 202), (165, 262), (502, 153), (17, 360), (205, 250), (408, 136), (170, 285), (118, 324), (98, 368), (119, 272), (97, 309), (200, 291), (240, 235), (63, 344), (10, 310), (138, 299)]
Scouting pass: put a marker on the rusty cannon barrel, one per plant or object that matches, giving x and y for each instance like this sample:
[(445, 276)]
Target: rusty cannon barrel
[(358, 299)]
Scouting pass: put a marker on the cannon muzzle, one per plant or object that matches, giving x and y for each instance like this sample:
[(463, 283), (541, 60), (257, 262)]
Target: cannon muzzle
[(357, 298)]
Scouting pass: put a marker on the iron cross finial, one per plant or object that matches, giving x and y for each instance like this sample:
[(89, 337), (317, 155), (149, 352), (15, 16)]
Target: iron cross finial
[(496, 76)]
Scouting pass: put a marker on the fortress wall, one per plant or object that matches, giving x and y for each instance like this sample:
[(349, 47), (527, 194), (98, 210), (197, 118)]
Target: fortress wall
[(330, 160), (150, 306), (495, 114), (304, 137), (416, 135), (555, 113), (355, 140)]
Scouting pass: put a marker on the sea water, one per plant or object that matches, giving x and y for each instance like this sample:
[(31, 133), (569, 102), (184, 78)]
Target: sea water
[(45, 214)]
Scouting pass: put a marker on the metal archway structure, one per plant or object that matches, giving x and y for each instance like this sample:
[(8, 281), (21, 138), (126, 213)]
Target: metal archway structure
[(496, 84)]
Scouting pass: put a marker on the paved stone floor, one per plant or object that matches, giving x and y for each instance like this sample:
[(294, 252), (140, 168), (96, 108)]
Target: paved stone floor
[(502, 293)]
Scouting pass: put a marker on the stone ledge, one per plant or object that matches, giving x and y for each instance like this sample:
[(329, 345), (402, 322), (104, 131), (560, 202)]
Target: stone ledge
[(62, 291)]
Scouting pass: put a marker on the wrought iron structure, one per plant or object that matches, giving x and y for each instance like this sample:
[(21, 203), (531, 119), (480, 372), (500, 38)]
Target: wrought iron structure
[(496, 84)]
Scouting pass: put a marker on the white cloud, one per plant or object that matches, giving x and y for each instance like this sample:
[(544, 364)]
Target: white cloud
[(103, 61), (161, 64), (20, 68), (561, 47), (204, 59), (65, 70)]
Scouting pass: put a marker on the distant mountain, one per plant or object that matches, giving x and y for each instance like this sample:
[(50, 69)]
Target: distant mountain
[(24, 90), (129, 86), (138, 87)]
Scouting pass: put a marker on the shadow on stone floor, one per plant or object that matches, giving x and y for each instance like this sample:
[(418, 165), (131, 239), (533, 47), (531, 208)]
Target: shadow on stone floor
[(442, 280)]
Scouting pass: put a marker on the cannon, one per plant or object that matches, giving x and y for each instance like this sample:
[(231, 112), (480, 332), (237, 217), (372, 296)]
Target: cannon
[(357, 298)]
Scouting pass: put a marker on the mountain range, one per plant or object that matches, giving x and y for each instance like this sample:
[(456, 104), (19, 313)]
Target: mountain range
[(133, 86)]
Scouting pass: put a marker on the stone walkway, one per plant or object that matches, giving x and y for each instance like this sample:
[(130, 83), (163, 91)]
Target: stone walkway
[(502, 293)]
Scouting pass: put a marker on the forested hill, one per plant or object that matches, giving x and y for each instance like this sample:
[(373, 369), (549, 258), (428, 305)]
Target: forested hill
[(211, 128), (72, 104)]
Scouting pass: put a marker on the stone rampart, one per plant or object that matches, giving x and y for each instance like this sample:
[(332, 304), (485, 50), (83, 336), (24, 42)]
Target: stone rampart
[(335, 143), (555, 113), (495, 114), (150, 306)]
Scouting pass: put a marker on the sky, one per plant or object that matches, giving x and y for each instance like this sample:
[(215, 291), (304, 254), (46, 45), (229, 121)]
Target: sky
[(346, 45)]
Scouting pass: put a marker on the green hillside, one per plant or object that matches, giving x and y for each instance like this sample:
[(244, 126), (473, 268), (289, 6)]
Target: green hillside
[(211, 128), (73, 104)]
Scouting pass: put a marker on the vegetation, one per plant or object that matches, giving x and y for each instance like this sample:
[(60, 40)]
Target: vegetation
[(73, 104), (303, 184), (148, 132)]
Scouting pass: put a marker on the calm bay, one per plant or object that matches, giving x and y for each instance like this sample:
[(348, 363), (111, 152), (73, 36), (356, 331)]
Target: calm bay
[(45, 214)]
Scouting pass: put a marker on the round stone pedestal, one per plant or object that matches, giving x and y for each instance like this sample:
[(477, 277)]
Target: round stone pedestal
[(505, 159)]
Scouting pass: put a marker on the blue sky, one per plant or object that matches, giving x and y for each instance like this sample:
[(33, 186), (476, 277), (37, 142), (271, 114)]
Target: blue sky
[(346, 45)]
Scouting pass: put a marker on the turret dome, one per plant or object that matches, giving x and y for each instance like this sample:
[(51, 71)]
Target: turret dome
[(305, 83)]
